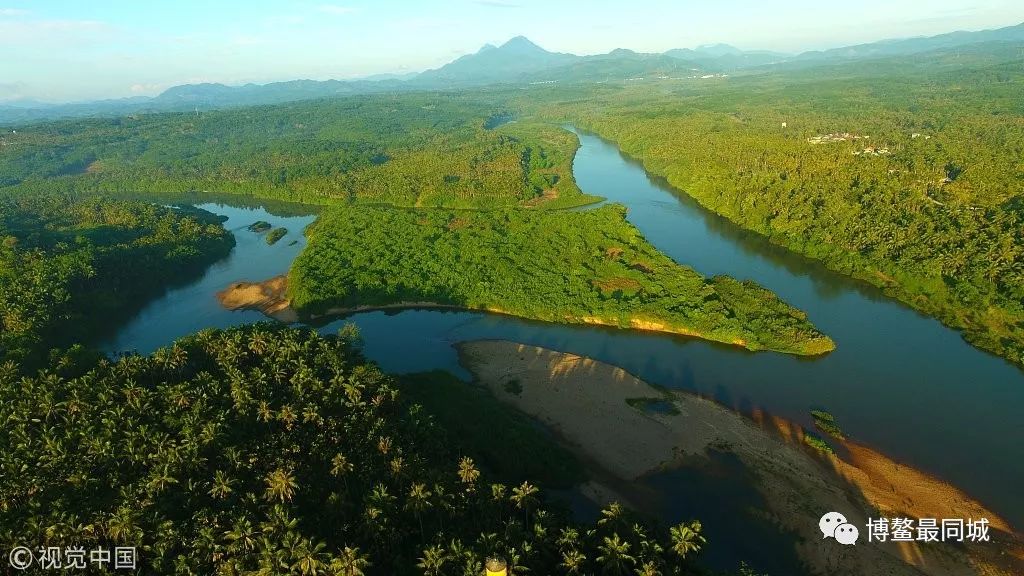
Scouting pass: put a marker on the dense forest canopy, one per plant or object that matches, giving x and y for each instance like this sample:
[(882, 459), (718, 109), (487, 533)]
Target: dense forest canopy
[(267, 450), (578, 267), (414, 150), (903, 172), (906, 174), (70, 267)]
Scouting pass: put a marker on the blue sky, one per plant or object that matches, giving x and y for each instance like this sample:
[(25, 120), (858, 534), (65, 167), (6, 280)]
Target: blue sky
[(66, 50)]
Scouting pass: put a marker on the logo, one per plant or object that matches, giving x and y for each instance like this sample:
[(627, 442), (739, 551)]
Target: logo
[(20, 558), (835, 525)]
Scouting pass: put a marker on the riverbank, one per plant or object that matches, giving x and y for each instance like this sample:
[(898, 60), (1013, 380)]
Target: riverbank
[(271, 298), (585, 403)]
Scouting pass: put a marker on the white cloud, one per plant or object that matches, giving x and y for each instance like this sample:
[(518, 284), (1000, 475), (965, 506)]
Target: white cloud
[(335, 9), (13, 12)]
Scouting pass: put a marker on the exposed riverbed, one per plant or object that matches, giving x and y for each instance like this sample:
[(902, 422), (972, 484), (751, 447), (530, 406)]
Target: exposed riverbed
[(898, 382)]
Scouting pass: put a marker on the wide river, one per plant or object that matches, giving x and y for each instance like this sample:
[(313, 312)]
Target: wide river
[(898, 381)]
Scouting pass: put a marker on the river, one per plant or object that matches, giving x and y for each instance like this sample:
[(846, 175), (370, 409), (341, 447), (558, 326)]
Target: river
[(898, 381)]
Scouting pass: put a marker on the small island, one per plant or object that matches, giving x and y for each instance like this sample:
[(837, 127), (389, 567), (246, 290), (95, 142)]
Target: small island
[(276, 234), (259, 226), (589, 267)]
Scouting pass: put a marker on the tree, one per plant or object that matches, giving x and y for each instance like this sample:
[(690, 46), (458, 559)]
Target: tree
[(686, 538), (281, 485)]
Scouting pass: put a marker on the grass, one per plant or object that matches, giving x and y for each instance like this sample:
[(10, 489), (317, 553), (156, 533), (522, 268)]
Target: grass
[(827, 423)]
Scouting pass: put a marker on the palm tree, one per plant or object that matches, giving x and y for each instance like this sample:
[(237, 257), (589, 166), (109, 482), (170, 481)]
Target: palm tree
[(468, 472), (309, 559), (648, 569), (281, 485), (573, 561), (687, 538), (350, 562), (432, 561), (615, 556), (221, 485), (525, 497), (243, 535), (613, 515), (419, 501)]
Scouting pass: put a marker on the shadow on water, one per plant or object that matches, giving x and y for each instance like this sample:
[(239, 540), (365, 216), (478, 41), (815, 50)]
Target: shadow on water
[(720, 492), (898, 382)]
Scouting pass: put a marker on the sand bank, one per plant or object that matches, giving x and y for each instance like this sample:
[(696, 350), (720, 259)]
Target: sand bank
[(271, 298), (584, 402)]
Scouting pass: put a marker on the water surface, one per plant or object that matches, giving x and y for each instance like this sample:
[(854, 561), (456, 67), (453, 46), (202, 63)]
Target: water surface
[(898, 381)]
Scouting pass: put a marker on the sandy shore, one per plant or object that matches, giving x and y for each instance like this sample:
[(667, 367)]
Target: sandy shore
[(268, 297), (584, 401), (271, 298)]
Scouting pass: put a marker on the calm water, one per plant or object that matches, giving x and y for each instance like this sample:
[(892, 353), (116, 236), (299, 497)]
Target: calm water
[(898, 381), (191, 308)]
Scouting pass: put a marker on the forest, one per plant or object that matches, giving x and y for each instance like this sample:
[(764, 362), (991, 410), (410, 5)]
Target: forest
[(903, 173), (587, 266), (70, 268), (269, 450), (447, 150)]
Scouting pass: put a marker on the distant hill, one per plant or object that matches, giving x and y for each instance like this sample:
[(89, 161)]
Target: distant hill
[(510, 62), (917, 45), (517, 61), (617, 66), (216, 95), (724, 57)]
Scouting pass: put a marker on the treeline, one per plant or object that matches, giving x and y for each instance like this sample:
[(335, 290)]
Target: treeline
[(918, 190), (410, 150), (69, 268), (267, 450), (576, 267)]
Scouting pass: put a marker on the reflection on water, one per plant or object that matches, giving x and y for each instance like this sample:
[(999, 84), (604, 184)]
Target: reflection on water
[(182, 311), (898, 381)]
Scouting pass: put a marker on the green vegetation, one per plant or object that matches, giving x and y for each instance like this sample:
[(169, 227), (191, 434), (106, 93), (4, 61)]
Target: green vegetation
[(267, 450), (556, 266), (815, 441), (935, 219), (827, 423), (259, 226), (276, 234), (409, 150), (69, 267)]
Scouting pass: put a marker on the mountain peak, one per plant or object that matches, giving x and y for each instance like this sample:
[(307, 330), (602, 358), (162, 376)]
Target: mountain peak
[(719, 49), (521, 44)]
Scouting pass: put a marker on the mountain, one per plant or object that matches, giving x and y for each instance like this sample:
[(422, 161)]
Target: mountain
[(724, 57), (510, 62), (908, 46), (618, 65), (216, 95), (517, 61)]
